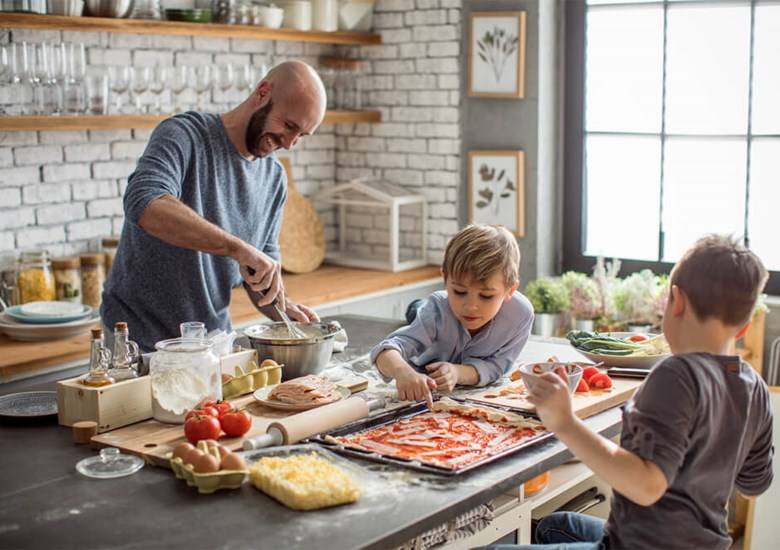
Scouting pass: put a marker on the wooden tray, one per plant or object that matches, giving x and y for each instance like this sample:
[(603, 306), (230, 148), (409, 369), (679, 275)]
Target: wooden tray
[(584, 404)]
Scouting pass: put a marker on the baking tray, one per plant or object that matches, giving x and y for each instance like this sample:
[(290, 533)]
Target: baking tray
[(400, 414)]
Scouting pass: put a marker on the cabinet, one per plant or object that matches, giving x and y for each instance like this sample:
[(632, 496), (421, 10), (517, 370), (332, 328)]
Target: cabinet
[(387, 303)]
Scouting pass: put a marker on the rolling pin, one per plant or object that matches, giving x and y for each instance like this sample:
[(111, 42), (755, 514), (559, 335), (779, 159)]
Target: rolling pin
[(300, 426)]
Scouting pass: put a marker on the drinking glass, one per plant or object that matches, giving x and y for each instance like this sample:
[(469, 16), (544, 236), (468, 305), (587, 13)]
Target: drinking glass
[(22, 93), (48, 93), (244, 78), (193, 329), (74, 91), (97, 93), (223, 80), (6, 76)]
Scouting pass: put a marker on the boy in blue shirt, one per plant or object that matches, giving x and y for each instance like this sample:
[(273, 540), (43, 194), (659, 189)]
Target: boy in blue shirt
[(472, 332), (699, 425)]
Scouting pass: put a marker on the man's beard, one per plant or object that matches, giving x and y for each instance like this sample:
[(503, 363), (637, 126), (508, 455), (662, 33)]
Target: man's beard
[(255, 132)]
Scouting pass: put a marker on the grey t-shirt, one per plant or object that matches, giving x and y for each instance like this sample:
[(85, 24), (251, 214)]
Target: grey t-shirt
[(154, 286), (706, 421)]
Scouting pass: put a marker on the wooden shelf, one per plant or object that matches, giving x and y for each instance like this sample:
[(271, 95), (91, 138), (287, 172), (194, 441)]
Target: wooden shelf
[(113, 122), (145, 26)]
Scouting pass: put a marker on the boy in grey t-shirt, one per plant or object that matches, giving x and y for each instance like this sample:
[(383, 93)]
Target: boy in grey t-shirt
[(700, 424)]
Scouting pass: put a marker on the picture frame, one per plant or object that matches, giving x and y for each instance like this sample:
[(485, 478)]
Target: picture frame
[(496, 61), (496, 189)]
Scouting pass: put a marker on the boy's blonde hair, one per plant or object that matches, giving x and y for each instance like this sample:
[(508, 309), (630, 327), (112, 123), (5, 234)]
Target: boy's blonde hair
[(479, 251), (721, 278)]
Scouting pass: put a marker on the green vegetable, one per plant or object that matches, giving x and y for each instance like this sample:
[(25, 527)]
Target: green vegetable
[(603, 344), (547, 295)]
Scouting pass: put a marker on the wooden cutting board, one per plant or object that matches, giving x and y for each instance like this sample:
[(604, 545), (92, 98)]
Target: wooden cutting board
[(153, 440), (584, 404), (302, 237)]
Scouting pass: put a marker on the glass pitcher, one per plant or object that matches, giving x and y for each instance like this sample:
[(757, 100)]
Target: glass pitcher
[(184, 372)]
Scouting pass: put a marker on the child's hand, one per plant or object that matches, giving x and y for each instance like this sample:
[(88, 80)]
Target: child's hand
[(550, 394), (414, 386), (444, 374)]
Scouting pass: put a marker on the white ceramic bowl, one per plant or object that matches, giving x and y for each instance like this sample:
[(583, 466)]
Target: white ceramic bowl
[(530, 372), (272, 16), (629, 361)]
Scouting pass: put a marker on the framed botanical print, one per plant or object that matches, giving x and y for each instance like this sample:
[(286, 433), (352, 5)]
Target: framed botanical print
[(496, 189), (497, 54)]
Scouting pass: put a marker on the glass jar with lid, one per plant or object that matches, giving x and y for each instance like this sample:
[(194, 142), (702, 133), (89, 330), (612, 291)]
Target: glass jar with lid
[(35, 278), (109, 245), (184, 372), (67, 279), (93, 275)]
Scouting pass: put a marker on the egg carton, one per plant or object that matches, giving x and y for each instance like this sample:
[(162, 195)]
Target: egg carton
[(268, 373), (210, 482)]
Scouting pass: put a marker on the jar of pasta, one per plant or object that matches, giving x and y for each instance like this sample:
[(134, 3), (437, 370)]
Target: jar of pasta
[(93, 275), (109, 246), (67, 278), (35, 278)]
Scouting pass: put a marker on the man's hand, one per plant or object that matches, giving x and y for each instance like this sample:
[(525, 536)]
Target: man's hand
[(299, 312), (444, 374), (550, 394), (415, 386), (262, 274)]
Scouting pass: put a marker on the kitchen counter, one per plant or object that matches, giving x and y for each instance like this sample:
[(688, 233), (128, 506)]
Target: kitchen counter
[(19, 360), (44, 503)]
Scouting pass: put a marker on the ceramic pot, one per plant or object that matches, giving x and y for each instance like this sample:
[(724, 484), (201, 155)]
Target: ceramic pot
[(546, 324)]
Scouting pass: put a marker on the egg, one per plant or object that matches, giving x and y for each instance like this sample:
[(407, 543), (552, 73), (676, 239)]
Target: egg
[(269, 363), (206, 464), (223, 451), (193, 456), (232, 461), (182, 450)]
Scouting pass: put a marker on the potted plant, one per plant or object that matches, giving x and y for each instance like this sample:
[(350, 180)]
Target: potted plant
[(640, 300), (584, 299), (549, 298)]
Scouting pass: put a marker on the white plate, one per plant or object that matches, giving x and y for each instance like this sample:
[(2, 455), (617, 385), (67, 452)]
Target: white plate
[(261, 396), (641, 362), (41, 333), (51, 309)]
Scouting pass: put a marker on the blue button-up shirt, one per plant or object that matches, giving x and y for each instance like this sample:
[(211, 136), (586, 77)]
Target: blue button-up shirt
[(437, 335)]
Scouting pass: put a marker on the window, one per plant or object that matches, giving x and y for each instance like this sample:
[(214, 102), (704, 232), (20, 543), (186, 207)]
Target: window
[(672, 129)]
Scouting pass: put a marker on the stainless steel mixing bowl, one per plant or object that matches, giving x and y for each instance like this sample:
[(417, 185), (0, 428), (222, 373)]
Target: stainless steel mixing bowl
[(109, 8), (299, 356)]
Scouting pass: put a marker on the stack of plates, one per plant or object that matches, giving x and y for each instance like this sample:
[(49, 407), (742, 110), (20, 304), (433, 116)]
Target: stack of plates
[(191, 16), (40, 321)]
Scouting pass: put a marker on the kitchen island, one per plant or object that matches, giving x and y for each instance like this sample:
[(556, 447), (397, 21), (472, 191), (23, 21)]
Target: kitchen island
[(45, 503)]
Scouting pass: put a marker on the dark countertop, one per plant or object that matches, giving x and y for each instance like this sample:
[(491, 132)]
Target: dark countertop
[(45, 503)]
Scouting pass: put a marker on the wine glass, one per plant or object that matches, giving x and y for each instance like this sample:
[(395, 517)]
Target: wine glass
[(200, 81), (158, 78), (75, 63), (21, 85), (139, 84), (119, 79), (178, 83), (223, 80), (244, 78), (48, 98)]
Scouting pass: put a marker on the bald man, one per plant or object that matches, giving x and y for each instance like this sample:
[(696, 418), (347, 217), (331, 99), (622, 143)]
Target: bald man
[(203, 211)]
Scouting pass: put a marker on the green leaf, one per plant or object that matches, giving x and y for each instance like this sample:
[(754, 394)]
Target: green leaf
[(510, 185), (500, 175), (505, 195), (482, 57), (486, 194), (481, 204)]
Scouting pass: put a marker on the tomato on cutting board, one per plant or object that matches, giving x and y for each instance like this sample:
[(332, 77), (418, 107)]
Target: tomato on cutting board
[(198, 427), (588, 373), (582, 386), (235, 423), (600, 381)]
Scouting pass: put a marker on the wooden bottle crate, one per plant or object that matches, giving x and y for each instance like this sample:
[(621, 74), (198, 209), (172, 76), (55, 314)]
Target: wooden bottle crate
[(112, 407)]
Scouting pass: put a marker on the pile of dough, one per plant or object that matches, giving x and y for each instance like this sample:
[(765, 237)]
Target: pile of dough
[(304, 482)]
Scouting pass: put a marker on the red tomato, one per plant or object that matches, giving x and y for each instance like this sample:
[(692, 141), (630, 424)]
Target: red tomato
[(203, 411), (637, 338), (582, 387), (199, 427), (221, 406), (588, 373), (601, 381), (236, 423)]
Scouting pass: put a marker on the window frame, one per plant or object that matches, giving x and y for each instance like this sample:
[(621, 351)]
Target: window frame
[(574, 184)]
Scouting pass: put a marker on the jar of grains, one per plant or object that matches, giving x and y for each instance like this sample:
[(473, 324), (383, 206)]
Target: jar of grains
[(109, 246), (93, 275), (67, 278), (35, 278)]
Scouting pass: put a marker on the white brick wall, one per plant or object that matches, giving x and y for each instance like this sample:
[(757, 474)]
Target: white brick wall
[(63, 190)]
